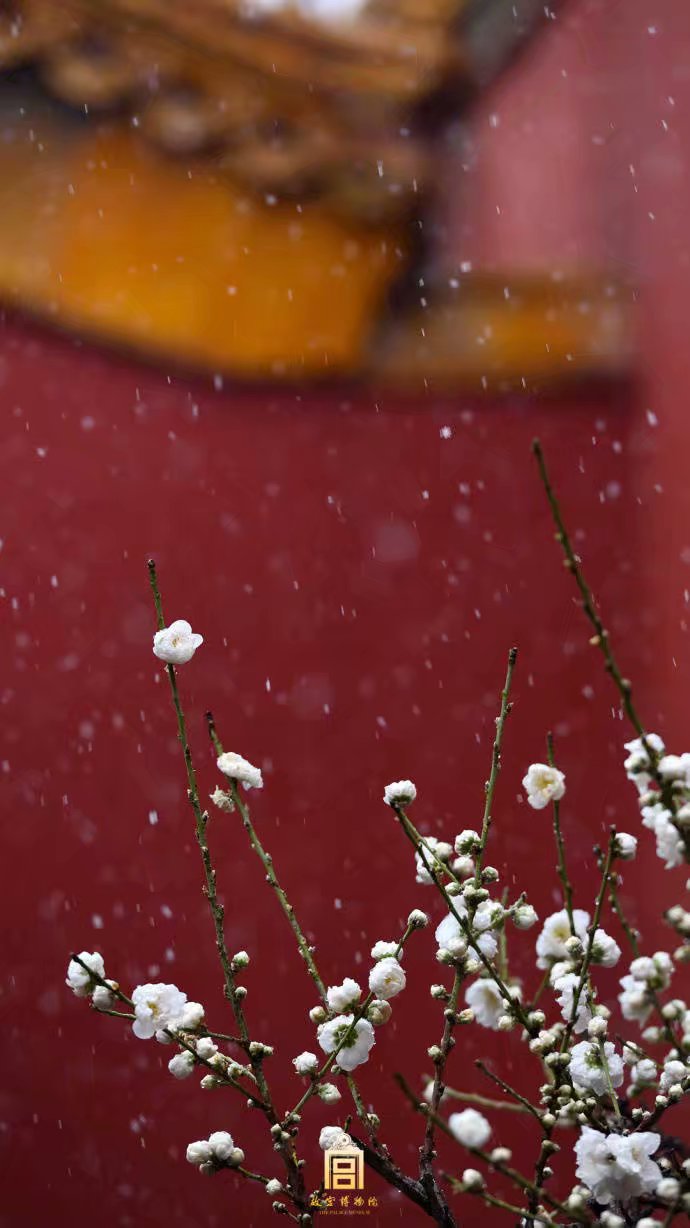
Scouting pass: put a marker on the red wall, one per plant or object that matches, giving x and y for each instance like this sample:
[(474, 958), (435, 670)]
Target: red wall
[(295, 532)]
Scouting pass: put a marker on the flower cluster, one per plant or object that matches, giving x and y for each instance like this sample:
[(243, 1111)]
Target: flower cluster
[(602, 1092), (216, 1151), (663, 785)]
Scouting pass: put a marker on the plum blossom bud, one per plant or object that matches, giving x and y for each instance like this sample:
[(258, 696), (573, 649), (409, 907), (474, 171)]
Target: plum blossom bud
[(328, 1092), (472, 1180), (501, 1155), (668, 1189), (177, 643), (418, 919), (199, 1153), (221, 1144), (597, 1027), (192, 1016), (181, 1066), (467, 842), (342, 998), (524, 917), (379, 1012), (103, 996), (385, 950), (78, 979), (470, 1128), (625, 846), (206, 1048), (317, 1014), (306, 1063), (274, 1187), (399, 793), (332, 1138)]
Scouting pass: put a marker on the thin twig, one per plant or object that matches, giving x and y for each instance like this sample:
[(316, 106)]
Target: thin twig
[(560, 846), (510, 1091), (484, 1102)]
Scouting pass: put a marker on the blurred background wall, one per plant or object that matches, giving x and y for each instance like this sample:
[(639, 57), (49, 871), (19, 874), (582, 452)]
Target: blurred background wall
[(359, 565)]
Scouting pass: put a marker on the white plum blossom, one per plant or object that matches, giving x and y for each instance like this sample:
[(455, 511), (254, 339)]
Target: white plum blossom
[(488, 945), (625, 846), (565, 989), (556, 932), (635, 1002), (156, 1007), (637, 765), (206, 1048), (587, 1067), (399, 793), (181, 1066), (669, 843), (306, 1063), (332, 1138), (449, 927), (78, 979), (484, 999), (543, 784), (239, 769), (674, 1070), (643, 1073), (342, 998), (470, 1128), (177, 643), (384, 950), (436, 855), (387, 978), (655, 970), (360, 1039), (222, 799), (605, 950), (617, 1167), (488, 915), (673, 767)]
